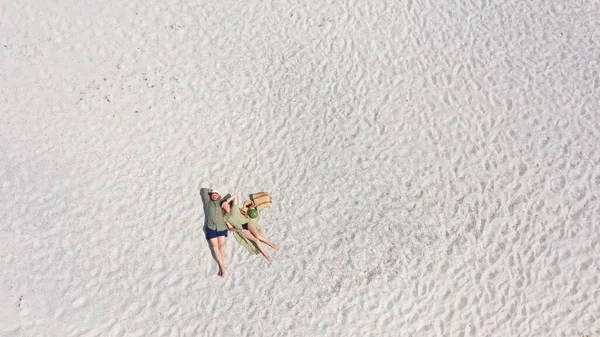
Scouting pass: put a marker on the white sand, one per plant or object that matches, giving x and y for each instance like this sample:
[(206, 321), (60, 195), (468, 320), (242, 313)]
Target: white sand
[(435, 167)]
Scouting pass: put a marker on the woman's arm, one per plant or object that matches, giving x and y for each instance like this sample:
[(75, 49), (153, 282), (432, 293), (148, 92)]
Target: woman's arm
[(231, 228), (234, 198)]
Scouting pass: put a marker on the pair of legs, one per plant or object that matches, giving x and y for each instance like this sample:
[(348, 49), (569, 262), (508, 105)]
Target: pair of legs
[(251, 233), (217, 241)]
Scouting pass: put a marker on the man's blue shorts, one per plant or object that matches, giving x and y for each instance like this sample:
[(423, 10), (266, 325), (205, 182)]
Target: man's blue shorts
[(211, 233)]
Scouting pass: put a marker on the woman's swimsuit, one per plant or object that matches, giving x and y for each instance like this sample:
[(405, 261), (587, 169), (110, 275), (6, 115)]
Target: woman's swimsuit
[(236, 218)]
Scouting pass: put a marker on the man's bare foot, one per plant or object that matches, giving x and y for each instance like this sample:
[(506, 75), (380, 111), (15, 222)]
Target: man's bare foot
[(222, 272)]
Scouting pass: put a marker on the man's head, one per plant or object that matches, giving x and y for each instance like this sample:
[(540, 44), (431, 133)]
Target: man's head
[(214, 195)]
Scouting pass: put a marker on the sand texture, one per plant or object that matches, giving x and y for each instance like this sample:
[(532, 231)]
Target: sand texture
[(434, 167)]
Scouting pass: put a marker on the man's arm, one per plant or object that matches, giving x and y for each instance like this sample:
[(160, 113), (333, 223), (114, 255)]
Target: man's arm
[(205, 192)]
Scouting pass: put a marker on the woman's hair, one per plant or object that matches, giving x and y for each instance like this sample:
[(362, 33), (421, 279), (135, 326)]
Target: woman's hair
[(223, 202)]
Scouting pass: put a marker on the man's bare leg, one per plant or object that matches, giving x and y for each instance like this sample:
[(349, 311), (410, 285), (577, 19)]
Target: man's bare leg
[(215, 246), (221, 241)]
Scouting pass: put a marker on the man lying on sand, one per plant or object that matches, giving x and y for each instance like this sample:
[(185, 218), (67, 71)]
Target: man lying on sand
[(237, 222), (216, 231)]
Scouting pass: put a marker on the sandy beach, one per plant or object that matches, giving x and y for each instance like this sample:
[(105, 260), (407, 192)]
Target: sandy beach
[(434, 167)]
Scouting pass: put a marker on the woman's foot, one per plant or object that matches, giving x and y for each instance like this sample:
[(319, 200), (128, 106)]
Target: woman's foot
[(276, 247), (222, 272), (270, 259)]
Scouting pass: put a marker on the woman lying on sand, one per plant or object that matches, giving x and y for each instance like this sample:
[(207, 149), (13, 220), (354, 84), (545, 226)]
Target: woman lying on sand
[(237, 222)]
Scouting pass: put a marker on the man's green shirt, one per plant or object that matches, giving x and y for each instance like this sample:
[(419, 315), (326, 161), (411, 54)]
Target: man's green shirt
[(214, 214)]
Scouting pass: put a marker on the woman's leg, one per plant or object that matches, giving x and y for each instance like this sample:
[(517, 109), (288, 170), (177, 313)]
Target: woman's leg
[(252, 228), (254, 239), (215, 246)]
